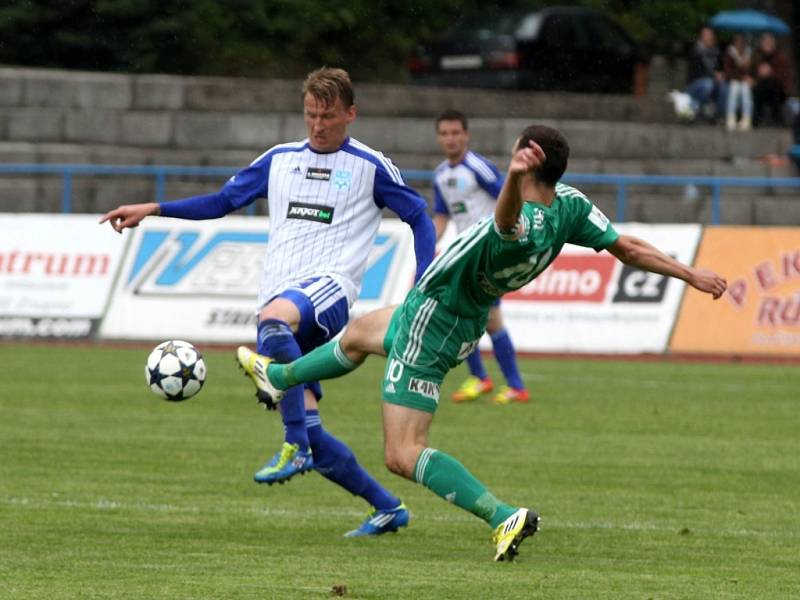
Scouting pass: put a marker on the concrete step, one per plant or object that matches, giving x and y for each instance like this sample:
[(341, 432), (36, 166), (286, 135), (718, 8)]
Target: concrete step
[(96, 91), (256, 132)]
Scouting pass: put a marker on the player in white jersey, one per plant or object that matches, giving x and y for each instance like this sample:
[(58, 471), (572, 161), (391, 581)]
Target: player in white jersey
[(325, 196), (465, 187)]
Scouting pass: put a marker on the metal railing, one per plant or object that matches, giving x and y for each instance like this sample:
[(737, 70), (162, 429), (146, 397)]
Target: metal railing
[(621, 181)]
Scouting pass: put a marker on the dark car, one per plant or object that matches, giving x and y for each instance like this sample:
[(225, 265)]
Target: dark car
[(558, 48)]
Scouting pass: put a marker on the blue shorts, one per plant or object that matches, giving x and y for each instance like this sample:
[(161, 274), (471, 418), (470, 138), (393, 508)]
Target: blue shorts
[(324, 312)]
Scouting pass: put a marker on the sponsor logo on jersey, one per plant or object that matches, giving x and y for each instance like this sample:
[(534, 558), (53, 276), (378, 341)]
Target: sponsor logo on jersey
[(598, 219), (458, 208), (319, 213), (538, 218), (318, 174), (487, 286), (424, 388), (341, 179)]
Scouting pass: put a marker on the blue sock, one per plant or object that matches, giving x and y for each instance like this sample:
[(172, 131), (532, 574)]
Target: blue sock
[(504, 353), (276, 340), (337, 463), (475, 364)]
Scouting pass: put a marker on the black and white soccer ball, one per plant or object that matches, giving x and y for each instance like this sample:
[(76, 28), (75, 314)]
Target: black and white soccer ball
[(175, 370)]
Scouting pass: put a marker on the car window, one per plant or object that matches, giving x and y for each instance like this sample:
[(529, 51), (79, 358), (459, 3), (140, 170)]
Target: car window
[(488, 26), (529, 27)]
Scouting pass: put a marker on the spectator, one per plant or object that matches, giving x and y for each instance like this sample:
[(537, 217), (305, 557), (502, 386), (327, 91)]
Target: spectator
[(706, 83), (772, 84), (736, 62)]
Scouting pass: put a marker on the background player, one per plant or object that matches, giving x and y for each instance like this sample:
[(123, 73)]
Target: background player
[(465, 188), (325, 198), (444, 315)]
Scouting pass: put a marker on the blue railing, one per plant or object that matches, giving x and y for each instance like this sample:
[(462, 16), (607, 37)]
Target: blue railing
[(160, 173)]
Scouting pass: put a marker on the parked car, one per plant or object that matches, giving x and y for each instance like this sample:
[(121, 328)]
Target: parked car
[(557, 48)]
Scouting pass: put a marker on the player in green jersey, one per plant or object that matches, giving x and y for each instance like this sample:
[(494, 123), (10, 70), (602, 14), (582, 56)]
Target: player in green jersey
[(444, 316)]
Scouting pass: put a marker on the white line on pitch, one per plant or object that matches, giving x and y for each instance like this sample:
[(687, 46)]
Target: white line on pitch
[(106, 504)]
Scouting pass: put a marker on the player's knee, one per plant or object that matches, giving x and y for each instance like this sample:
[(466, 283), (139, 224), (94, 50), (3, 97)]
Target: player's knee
[(401, 460), (355, 341), (495, 322), (396, 462)]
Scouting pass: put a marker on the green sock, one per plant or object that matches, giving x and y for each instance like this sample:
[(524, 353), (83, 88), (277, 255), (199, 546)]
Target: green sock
[(449, 479), (326, 362)]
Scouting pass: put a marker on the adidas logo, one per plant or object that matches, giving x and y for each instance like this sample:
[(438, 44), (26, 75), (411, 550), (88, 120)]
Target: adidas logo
[(390, 388), (451, 497), (296, 170), (511, 522)]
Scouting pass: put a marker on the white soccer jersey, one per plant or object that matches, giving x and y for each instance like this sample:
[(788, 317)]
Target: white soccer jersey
[(325, 209), (467, 191)]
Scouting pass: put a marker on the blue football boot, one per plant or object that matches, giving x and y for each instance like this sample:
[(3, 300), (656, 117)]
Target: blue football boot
[(382, 521), (287, 463)]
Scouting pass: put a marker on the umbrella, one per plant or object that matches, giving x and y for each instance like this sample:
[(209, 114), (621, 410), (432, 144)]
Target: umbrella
[(750, 21)]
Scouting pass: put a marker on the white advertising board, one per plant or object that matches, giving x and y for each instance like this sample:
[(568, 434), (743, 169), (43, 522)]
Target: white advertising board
[(199, 280), (590, 302), (56, 273)]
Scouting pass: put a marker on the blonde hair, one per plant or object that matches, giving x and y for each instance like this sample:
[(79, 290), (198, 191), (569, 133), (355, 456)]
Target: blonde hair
[(326, 85)]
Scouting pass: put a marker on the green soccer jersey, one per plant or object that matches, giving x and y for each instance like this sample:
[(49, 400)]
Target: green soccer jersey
[(482, 263)]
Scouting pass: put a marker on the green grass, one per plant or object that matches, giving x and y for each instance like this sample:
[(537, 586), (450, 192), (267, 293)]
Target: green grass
[(654, 480)]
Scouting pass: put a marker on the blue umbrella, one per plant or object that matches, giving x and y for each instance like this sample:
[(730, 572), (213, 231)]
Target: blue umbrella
[(750, 21)]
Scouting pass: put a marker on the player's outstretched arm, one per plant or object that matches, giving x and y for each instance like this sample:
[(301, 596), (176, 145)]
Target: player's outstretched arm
[(130, 215), (639, 253), (509, 202)]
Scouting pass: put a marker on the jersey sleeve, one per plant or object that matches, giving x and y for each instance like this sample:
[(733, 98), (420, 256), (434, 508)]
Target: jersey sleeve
[(439, 205), (240, 190), (391, 192), (486, 174), (491, 186), (592, 229)]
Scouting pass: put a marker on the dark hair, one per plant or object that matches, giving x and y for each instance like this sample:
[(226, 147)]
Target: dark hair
[(326, 85), (452, 115), (556, 151)]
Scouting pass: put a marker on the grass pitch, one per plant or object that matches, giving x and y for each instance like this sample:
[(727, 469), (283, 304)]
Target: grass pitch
[(654, 480)]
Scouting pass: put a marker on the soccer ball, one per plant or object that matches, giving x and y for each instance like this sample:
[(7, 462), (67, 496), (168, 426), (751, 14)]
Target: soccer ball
[(175, 370)]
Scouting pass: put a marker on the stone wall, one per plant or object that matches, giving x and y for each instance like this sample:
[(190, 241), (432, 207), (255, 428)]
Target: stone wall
[(51, 116)]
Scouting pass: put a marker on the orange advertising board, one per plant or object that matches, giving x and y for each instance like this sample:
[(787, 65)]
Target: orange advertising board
[(760, 312)]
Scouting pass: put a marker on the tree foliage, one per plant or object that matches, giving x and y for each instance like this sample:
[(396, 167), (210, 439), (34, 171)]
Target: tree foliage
[(282, 38)]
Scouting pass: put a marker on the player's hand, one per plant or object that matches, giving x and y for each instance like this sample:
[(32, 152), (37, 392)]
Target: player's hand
[(129, 215), (709, 282), (526, 159)]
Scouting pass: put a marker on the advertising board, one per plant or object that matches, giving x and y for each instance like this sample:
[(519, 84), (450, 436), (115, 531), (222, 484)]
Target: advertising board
[(56, 273), (760, 312), (590, 302), (199, 280)]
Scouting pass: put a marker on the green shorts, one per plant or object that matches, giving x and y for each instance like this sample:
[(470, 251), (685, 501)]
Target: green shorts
[(426, 341)]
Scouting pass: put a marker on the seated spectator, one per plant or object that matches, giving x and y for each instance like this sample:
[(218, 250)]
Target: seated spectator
[(706, 83), (736, 62), (772, 84)]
